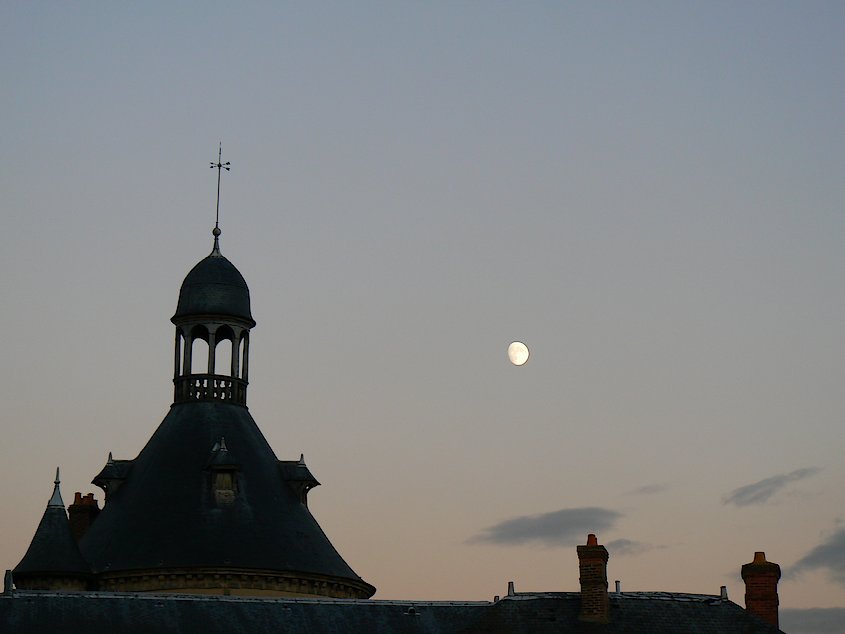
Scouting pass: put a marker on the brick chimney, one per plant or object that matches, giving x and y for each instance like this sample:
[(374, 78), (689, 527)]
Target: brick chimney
[(592, 564), (761, 588), (82, 513)]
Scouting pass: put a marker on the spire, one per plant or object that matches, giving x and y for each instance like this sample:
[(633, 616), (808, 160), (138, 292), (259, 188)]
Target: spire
[(220, 165), (56, 500)]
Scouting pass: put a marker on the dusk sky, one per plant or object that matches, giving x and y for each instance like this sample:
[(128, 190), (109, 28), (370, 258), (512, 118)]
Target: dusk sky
[(650, 195)]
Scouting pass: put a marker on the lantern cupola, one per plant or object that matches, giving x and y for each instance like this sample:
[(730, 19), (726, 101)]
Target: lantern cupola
[(213, 320)]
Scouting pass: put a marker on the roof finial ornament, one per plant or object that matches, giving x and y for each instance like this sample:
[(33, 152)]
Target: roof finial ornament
[(56, 499), (220, 167)]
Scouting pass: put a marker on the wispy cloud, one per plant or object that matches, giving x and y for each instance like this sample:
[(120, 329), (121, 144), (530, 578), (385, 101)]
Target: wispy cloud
[(648, 489), (760, 492), (558, 528), (813, 620), (829, 555), (625, 547)]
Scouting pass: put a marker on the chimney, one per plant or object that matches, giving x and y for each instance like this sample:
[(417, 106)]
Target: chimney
[(82, 513), (761, 588), (592, 564)]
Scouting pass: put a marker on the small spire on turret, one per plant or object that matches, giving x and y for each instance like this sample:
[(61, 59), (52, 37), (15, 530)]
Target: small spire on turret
[(56, 499)]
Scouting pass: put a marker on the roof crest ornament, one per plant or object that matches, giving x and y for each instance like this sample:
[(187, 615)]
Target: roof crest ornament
[(56, 499), (220, 167)]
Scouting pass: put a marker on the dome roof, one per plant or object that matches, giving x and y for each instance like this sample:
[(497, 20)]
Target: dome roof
[(214, 287)]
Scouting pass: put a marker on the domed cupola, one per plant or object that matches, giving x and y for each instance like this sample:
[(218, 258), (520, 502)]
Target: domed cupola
[(214, 287), (212, 320)]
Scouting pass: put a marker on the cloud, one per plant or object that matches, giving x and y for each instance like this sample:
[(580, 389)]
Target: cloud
[(813, 620), (648, 489), (760, 492), (558, 528), (625, 547), (829, 555)]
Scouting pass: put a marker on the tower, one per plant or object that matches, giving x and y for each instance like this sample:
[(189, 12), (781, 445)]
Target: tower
[(206, 506)]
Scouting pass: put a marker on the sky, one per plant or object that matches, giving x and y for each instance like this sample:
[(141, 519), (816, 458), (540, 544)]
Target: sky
[(649, 195)]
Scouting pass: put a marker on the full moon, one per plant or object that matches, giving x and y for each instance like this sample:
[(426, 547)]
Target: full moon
[(518, 353)]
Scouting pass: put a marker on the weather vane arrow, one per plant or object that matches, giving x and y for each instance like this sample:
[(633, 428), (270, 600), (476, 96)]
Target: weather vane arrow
[(220, 167)]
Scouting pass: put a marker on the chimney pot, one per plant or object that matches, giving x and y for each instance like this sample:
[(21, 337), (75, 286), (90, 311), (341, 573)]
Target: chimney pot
[(723, 593), (618, 587), (761, 588), (511, 591), (82, 513), (592, 564)]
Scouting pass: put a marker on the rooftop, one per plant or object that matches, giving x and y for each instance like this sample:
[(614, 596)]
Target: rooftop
[(537, 613)]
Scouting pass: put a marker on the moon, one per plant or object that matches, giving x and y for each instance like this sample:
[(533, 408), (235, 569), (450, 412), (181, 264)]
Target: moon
[(518, 353)]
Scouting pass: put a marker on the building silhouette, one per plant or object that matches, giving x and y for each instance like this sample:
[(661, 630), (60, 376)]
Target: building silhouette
[(207, 530)]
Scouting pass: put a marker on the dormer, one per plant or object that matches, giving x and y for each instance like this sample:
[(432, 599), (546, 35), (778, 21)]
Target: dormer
[(224, 468), (112, 475), (298, 477)]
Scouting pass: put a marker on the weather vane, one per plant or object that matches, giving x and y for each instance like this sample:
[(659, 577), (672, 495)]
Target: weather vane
[(220, 166)]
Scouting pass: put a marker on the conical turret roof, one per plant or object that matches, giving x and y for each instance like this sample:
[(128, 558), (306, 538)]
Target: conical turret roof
[(53, 550), (165, 514)]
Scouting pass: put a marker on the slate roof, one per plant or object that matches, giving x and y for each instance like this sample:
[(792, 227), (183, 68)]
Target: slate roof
[(630, 613), (165, 515), (214, 287)]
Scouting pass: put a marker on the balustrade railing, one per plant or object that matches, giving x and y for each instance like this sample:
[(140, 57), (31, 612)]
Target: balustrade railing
[(209, 387)]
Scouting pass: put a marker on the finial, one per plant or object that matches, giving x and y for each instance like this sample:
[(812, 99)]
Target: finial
[(56, 499), (223, 444), (220, 166), (110, 460)]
